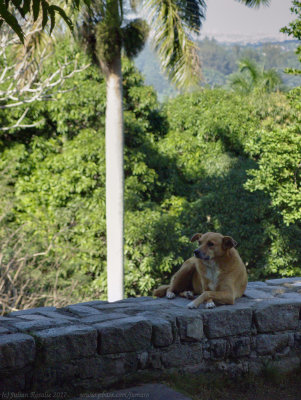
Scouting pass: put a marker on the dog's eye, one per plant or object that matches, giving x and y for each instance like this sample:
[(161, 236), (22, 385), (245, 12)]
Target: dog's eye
[(210, 244)]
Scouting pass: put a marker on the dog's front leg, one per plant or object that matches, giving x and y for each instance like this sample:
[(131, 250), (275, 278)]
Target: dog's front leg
[(199, 300), (209, 297)]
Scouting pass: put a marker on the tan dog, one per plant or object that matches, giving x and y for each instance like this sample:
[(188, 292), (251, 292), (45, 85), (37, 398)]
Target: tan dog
[(216, 272)]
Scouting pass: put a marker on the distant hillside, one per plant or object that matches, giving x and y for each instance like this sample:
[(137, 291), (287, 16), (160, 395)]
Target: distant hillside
[(219, 60)]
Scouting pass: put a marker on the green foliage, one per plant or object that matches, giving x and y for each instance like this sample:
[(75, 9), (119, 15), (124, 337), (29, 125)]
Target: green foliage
[(134, 37), (279, 172), (216, 139), (294, 29), (211, 160), (219, 61), (250, 77), (12, 10)]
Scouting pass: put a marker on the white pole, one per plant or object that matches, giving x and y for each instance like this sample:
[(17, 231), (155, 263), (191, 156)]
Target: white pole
[(114, 183)]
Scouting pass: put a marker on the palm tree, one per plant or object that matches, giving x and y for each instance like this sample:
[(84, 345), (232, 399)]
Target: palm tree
[(107, 33), (252, 77)]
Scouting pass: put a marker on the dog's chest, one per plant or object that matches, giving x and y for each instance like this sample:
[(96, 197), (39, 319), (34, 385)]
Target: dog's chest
[(212, 274)]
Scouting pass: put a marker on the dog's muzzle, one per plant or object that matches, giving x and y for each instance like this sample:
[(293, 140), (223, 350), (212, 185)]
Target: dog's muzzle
[(199, 254)]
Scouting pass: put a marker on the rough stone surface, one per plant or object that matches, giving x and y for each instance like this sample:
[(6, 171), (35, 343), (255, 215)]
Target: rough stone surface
[(60, 344), (192, 353), (276, 316), (227, 321), (92, 319), (81, 311), (190, 327), (282, 281), (91, 345), (127, 334), (257, 293), (240, 346), (162, 332), (219, 349), (33, 322), (31, 311), (16, 351), (270, 344)]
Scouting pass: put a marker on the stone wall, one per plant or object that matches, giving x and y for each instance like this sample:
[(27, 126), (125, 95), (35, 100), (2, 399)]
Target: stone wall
[(88, 346)]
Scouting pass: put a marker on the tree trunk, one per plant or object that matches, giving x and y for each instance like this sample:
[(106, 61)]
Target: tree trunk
[(114, 181)]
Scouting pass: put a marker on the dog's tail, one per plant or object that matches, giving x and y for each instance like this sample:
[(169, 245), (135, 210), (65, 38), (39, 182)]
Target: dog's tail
[(161, 291)]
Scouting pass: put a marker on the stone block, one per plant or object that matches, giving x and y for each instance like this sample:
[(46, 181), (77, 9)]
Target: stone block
[(81, 311), (38, 324), (92, 319), (134, 300), (16, 351), (180, 355), (274, 290), (60, 315), (292, 297), (154, 360), (190, 327), (297, 341), (85, 368), (296, 286), (219, 349), (45, 377), (67, 343), (134, 308), (6, 323), (31, 311), (271, 344), (92, 303), (12, 387), (282, 281), (240, 346), (124, 335), (162, 332), (227, 321), (142, 360), (256, 284), (276, 316), (233, 369), (257, 294), (119, 364)]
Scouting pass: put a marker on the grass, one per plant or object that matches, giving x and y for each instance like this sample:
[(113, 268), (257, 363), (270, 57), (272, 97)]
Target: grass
[(271, 384)]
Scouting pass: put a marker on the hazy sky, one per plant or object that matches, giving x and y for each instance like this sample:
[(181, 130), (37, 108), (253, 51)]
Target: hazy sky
[(228, 17)]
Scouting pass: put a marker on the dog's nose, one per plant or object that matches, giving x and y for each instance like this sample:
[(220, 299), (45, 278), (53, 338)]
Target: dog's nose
[(197, 253)]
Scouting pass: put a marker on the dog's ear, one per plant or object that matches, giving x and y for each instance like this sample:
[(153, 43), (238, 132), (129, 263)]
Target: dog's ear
[(195, 237), (228, 242)]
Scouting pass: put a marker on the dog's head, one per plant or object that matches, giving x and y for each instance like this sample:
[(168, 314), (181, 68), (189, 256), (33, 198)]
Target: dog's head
[(212, 245)]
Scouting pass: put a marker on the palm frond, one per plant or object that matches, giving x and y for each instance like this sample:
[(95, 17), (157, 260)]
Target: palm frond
[(248, 66), (254, 3), (271, 80), (240, 83), (134, 36), (172, 24)]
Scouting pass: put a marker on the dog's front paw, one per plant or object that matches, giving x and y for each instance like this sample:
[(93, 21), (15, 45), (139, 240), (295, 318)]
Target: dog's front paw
[(170, 295), (188, 294), (210, 304), (192, 305)]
